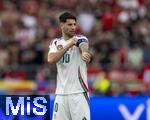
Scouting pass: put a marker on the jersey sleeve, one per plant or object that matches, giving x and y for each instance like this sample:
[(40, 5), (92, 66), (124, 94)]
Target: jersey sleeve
[(82, 40), (52, 46)]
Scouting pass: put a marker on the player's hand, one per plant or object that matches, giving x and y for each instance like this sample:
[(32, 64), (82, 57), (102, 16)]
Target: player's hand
[(73, 42), (86, 57)]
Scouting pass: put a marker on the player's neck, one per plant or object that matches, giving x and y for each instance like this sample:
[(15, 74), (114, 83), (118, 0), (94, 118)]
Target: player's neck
[(66, 37)]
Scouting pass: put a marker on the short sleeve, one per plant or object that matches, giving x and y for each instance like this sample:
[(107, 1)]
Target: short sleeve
[(52, 46), (82, 40)]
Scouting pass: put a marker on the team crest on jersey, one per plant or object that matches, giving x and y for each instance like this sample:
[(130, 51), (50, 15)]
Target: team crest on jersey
[(59, 47)]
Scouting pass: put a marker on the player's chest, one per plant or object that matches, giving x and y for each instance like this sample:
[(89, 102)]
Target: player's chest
[(61, 44), (69, 56)]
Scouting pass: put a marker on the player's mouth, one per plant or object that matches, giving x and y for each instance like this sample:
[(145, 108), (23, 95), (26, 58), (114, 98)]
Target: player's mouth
[(72, 31)]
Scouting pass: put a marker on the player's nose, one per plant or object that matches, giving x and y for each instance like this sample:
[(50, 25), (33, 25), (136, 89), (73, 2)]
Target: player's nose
[(73, 27)]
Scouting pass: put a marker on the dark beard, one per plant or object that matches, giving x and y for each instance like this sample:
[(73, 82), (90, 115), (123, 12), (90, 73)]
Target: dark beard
[(69, 35)]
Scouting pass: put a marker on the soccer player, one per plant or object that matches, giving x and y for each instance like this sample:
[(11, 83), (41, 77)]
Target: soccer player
[(70, 53)]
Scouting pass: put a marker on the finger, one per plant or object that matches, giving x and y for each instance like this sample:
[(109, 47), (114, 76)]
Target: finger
[(87, 56), (87, 59), (74, 39)]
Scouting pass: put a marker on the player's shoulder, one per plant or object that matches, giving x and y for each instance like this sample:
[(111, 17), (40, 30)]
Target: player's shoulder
[(81, 36), (81, 39), (55, 40)]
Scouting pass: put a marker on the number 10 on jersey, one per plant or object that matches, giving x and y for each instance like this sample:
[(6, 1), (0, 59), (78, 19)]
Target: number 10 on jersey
[(65, 58)]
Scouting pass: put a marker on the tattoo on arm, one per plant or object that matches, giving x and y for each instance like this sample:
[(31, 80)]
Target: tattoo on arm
[(84, 47)]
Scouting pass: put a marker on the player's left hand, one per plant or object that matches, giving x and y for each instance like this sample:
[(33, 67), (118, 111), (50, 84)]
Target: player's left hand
[(86, 57)]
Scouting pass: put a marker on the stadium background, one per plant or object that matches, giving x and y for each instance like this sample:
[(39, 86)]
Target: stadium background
[(119, 35)]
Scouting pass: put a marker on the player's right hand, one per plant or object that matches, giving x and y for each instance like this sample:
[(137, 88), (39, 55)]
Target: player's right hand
[(73, 42)]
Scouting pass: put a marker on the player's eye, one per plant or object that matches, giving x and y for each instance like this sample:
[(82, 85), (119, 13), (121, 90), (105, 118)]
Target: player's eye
[(70, 24)]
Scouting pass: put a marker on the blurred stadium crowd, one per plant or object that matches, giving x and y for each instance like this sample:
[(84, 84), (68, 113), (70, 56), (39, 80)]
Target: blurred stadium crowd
[(118, 32)]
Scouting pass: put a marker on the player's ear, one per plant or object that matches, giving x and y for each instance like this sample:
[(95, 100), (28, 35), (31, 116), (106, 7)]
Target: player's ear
[(61, 25)]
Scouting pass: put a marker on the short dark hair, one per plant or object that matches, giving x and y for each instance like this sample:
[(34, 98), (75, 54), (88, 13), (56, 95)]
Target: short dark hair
[(66, 15)]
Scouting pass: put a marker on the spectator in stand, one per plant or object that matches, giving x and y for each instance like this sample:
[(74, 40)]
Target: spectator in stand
[(135, 57), (4, 57)]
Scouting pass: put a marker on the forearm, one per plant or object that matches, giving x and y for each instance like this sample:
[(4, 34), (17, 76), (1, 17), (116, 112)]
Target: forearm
[(55, 57), (85, 52), (84, 47)]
